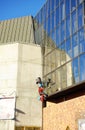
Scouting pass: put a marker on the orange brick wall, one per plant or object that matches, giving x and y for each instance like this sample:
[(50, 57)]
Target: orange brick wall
[(57, 116)]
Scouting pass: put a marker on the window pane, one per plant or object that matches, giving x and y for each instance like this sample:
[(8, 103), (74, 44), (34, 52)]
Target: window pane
[(67, 3), (62, 11), (74, 22), (63, 54), (82, 66), (75, 70), (48, 27), (62, 31), (73, 4), (80, 1), (81, 36), (57, 16), (57, 36), (68, 50), (80, 16), (75, 45), (68, 27), (69, 74), (52, 16), (63, 77), (56, 2), (52, 4), (58, 77)]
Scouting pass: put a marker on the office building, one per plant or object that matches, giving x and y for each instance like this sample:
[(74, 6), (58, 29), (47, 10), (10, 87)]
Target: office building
[(61, 33)]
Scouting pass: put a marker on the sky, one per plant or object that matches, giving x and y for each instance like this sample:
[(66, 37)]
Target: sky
[(18, 8)]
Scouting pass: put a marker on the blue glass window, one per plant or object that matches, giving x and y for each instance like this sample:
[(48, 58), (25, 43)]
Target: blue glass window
[(63, 53), (75, 45), (62, 11), (81, 36), (48, 29), (73, 4), (68, 50), (52, 16), (62, 31), (57, 16), (52, 5), (80, 1), (75, 70), (48, 7), (68, 27), (80, 16), (56, 2), (57, 36), (82, 67), (67, 3), (74, 22)]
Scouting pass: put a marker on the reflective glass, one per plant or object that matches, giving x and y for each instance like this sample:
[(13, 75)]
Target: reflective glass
[(62, 11), (57, 36), (74, 22), (82, 67), (80, 1), (68, 50), (81, 36), (75, 70), (57, 16), (73, 4), (62, 31), (68, 27), (57, 57), (67, 4), (69, 74), (63, 77), (56, 2), (80, 16), (48, 7), (52, 5), (63, 54), (58, 77), (52, 16), (75, 45), (48, 24)]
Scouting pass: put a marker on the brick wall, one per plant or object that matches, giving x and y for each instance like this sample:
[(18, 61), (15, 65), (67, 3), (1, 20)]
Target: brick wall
[(58, 116)]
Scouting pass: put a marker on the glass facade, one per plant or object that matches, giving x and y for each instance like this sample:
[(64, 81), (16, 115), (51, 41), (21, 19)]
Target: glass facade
[(61, 26)]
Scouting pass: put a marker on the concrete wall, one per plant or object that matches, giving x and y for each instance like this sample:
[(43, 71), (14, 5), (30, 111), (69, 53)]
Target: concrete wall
[(29, 68), (20, 65), (59, 116)]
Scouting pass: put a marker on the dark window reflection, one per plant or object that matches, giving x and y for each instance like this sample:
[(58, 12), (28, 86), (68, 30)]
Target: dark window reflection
[(73, 4), (68, 50), (82, 67), (80, 16), (81, 36), (75, 70), (68, 27), (75, 45), (74, 22), (67, 3)]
